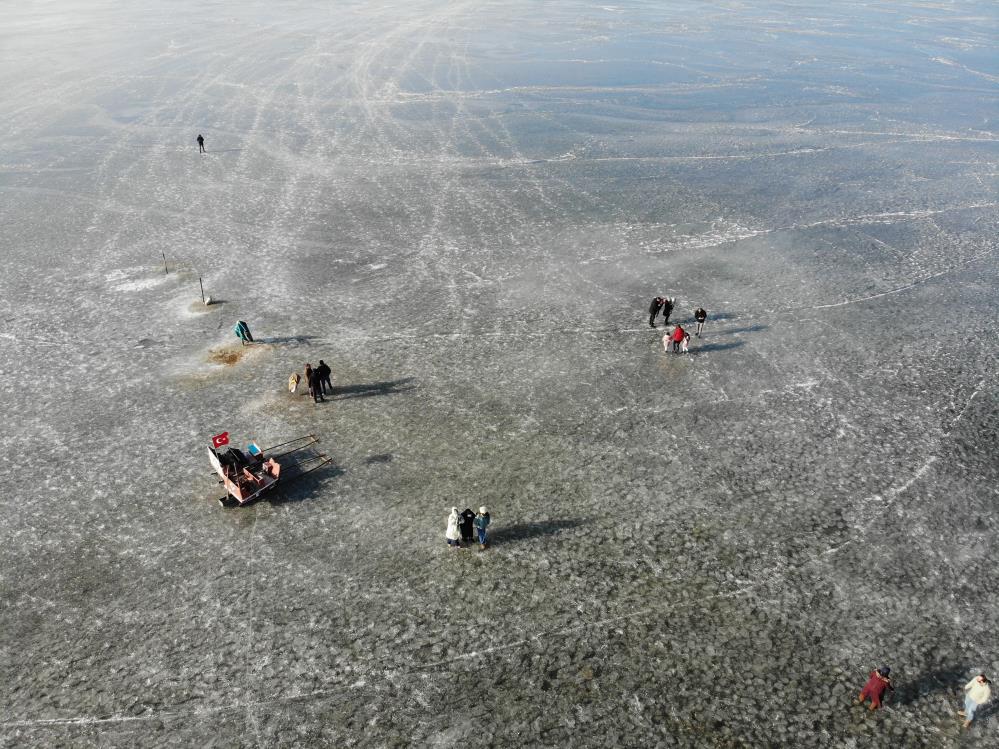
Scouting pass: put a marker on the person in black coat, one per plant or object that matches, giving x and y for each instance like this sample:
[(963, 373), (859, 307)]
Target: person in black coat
[(325, 373), (657, 304), (316, 386), (466, 524), (201, 143), (667, 309), (700, 315)]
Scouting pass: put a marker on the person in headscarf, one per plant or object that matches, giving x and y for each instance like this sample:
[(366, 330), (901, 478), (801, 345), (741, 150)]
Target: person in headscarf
[(481, 523), (466, 524), (452, 535)]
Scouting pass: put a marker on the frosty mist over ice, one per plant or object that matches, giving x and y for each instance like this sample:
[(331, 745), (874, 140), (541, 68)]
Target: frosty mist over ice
[(465, 208)]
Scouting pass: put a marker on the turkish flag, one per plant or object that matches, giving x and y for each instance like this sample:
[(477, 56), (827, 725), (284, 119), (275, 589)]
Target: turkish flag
[(220, 439)]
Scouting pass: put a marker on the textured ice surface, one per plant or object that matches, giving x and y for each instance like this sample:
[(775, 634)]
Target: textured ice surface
[(465, 207)]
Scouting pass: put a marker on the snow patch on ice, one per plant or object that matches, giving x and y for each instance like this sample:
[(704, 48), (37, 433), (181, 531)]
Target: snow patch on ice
[(126, 280)]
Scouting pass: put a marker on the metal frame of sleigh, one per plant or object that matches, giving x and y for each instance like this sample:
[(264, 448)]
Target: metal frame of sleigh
[(249, 475)]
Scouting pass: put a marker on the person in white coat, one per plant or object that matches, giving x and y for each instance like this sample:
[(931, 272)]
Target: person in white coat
[(976, 693), (452, 534)]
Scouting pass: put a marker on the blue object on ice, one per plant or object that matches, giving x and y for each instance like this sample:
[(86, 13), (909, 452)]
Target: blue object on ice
[(253, 449)]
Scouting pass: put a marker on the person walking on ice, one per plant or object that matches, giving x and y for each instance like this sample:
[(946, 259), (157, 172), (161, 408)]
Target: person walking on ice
[(451, 533), (201, 143), (667, 339), (700, 315), (481, 523), (678, 334), (325, 373), (316, 386), (875, 688), (685, 343), (976, 693), (657, 304)]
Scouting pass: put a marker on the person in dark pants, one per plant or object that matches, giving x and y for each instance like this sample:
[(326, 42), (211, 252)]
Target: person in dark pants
[(316, 386), (201, 143), (308, 377), (657, 304), (466, 524), (700, 315), (325, 373), (667, 309), (678, 334)]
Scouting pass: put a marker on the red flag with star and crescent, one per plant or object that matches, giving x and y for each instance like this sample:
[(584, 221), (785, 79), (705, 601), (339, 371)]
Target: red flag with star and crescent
[(220, 439)]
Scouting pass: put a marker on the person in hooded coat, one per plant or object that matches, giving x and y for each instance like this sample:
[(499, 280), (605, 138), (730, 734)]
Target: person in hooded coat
[(466, 524), (451, 534), (242, 331), (481, 523)]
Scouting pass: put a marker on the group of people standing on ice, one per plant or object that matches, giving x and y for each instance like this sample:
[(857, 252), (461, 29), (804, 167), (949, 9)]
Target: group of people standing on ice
[(676, 338), (460, 527), (317, 379)]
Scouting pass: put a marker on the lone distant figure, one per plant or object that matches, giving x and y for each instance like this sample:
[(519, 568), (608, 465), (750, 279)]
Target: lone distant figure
[(875, 688), (657, 304), (242, 331), (700, 315), (976, 693), (201, 143)]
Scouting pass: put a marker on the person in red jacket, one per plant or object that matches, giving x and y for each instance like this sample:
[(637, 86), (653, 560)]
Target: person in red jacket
[(678, 334), (875, 688)]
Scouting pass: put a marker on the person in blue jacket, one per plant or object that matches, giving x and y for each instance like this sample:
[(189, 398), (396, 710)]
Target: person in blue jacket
[(242, 331), (481, 522)]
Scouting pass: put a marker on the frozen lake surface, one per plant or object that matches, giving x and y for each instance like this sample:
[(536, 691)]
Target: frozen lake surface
[(465, 208)]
